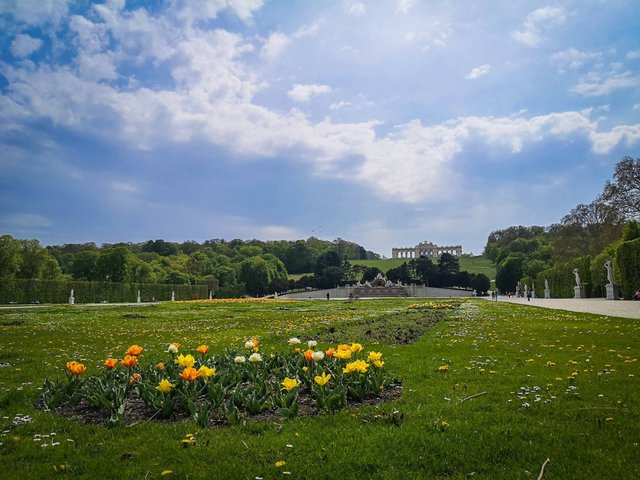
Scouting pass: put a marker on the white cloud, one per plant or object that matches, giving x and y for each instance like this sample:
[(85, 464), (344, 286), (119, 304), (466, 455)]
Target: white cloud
[(275, 44), (308, 30), (403, 6), (36, 12), (607, 85), (478, 72), (357, 9), (339, 105), (303, 93), (573, 58), (24, 45), (193, 11), (633, 55), (536, 22)]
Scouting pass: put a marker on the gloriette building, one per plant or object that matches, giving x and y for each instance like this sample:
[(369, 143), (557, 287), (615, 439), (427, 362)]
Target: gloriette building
[(426, 249)]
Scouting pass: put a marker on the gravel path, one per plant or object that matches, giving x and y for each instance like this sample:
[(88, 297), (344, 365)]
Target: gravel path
[(600, 306)]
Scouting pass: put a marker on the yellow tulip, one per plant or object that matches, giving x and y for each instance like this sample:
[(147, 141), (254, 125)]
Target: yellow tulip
[(356, 347), (359, 366), (165, 386), (373, 356), (206, 372), (290, 383), (185, 361), (322, 379)]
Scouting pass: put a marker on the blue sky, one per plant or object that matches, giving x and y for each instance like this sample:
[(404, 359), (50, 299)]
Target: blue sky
[(385, 122)]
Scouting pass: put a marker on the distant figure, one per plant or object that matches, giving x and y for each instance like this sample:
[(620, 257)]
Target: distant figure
[(636, 296), (328, 295), (528, 295)]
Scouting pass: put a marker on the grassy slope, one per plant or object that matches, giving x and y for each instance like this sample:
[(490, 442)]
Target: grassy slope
[(470, 264), (493, 348)]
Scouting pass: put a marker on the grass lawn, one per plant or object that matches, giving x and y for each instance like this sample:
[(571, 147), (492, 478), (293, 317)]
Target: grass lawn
[(470, 264), (490, 391)]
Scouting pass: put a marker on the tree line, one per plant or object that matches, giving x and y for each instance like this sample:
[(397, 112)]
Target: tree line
[(586, 231)]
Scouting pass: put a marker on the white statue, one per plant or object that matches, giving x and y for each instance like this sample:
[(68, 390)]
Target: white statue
[(72, 299), (173, 296), (138, 297), (607, 265), (575, 272), (546, 284)]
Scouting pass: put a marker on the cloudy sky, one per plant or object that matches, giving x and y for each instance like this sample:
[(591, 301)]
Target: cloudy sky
[(383, 122)]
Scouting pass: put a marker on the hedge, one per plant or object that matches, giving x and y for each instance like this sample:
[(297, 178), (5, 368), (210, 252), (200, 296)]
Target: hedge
[(627, 267), (562, 280), (55, 291)]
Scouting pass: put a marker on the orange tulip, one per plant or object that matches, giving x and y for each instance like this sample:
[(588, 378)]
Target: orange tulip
[(110, 363), (135, 378), (255, 343), (308, 354), (130, 361), (76, 368), (189, 374), (202, 349), (134, 350), (330, 352)]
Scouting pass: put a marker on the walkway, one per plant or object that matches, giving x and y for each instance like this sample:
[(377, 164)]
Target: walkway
[(599, 306)]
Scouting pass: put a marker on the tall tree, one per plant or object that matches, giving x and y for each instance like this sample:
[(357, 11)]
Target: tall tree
[(9, 256), (623, 194)]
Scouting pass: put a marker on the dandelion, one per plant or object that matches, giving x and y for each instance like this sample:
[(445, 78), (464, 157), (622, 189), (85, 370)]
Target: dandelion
[(550, 364), (166, 472), (255, 357), (240, 359), (443, 368), (76, 368), (289, 383), (165, 386), (134, 350), (280, 463), (185, 361), (129, 361), (202, 349), (110, 363), (322, 379)]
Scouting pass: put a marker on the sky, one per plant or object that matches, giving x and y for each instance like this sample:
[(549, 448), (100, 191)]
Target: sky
[(386, 123)]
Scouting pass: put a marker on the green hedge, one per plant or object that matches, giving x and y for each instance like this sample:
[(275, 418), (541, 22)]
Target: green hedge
[(54, 291), (627, 267), (561, 279), (599, 273)]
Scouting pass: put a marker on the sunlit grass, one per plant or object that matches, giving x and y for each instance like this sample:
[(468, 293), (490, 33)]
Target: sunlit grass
[(522, 385)]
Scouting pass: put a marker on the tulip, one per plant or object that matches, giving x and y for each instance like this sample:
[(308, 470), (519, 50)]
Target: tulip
[(255, 357), (330, 352), (129, 361), (373, 356), (239, 359), (378, 363), (342, 354), (248, 345), (317, 356), (76, 368), (359, 366), (307, 355), (135, 378), (206, 372), (173, 347), (202, 349), (159, 366), (322, 379), (294, 341), (356, 347), (289, 383), (134, 350), (110, 363), (312, 343), (190, 374), (185, 361)]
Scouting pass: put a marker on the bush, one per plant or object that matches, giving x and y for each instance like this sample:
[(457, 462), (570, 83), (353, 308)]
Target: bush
[(561, 279), (627, 267)]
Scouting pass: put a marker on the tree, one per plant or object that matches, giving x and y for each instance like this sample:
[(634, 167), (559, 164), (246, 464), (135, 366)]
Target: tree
[(448, 267), (84, 265), (328, 259), (481, 283), (631, 231), (623, 194), (114, 266), (509, 272), (32, 258), (370, 273), (424, 270), (9, 256)]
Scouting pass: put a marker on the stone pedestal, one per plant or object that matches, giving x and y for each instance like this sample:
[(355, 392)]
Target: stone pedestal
[(578, 292), (613, 292), (547, 293)]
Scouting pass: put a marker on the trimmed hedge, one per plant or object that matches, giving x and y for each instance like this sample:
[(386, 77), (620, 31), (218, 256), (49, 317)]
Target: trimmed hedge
[(599, 273), (55, 291), (627, 267), (561, 279)]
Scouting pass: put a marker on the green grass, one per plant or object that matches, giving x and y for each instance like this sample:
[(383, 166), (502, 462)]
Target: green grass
[(477, 264), (429, 432)]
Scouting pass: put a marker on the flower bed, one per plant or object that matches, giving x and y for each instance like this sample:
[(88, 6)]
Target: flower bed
[(224, 389)]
